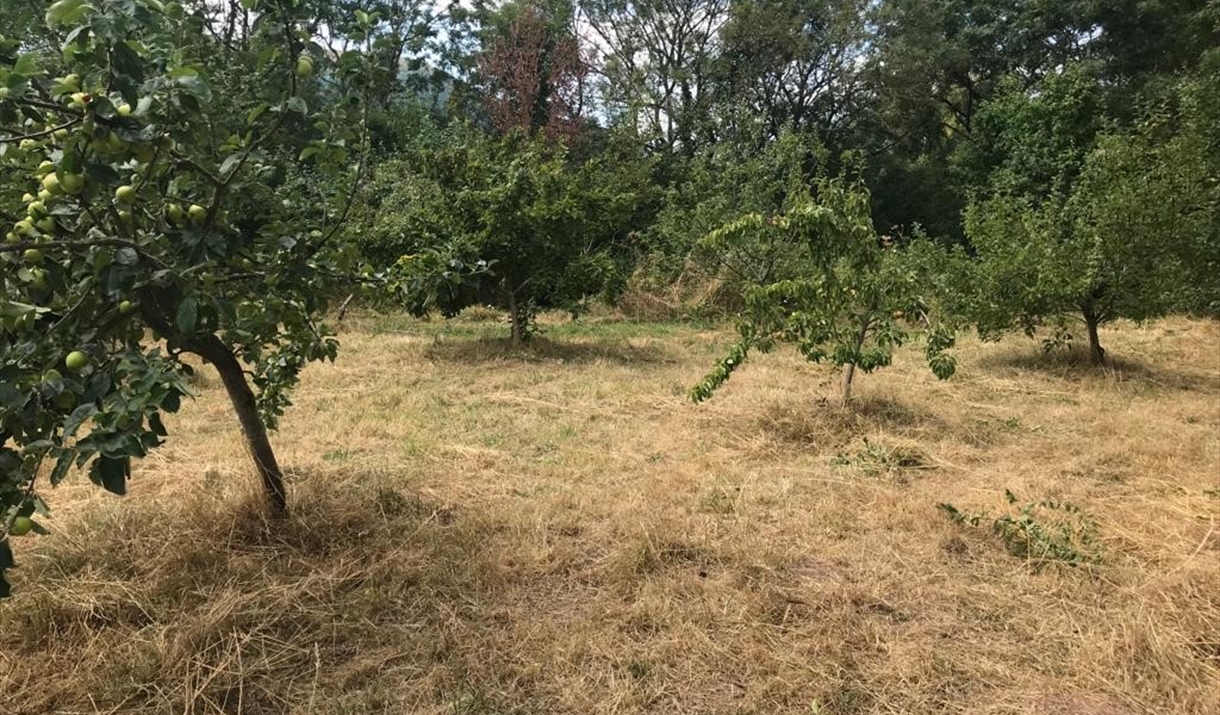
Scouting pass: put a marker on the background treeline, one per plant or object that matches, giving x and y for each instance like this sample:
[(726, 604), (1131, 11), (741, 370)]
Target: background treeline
[(1069, 149)]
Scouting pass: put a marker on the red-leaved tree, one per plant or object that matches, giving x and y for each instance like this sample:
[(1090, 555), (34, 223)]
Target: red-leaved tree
[(535, 78)]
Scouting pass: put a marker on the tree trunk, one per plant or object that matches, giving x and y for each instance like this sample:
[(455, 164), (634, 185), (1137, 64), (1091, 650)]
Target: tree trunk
[(849, 369), (1097, 354), (252, 426), (517, 319), (343, 307), (849, 372)]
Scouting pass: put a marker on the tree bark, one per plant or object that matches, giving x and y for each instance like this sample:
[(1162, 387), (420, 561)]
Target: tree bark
[(343, 307), (252, 427), (849, 373), (516, 318), (849, 369), (1097, 354)]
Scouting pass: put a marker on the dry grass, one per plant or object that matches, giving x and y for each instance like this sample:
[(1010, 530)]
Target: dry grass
[(481, 530)]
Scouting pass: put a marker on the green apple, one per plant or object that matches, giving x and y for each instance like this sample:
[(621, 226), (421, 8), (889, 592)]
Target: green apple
[(11, 237), (45, 168), (21, 526), (50, 182), (36, 208), (72, 183), (101, 145), (304, 67), (23, 227), (72, 81), (125, 217), (125, 194), (76, 360), (123, 109), (197, 213), (52, 375), (39, 278), (4, 92), (45, 224), (174, 213), (126, 306), (32, 256), (44, 195), (27, 198)]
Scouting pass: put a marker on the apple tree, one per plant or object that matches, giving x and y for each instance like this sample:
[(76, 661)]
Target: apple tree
[(145, 166), (1084, 223), (842, 294), (509, 222)]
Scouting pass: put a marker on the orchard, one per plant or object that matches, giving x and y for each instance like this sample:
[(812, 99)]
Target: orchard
[(951, 271)]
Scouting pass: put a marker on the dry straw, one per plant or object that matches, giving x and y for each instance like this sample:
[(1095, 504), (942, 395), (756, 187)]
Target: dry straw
[(477, 529)]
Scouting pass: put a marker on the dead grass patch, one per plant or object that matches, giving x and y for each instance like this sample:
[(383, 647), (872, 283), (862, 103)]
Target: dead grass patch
[(480, 531)]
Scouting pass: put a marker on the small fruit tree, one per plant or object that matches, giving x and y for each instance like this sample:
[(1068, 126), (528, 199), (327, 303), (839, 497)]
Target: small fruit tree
[(508, 222), (843, 294), (140, 156)]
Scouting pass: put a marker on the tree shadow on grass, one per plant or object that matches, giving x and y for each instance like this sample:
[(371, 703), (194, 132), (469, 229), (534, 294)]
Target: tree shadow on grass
[(544, 350), (208, 603), (826, 424), (1074, 365)]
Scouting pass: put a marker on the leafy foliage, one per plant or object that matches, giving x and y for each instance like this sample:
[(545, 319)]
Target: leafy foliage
[(1083, 222), (537, 230), (139, 160), (719, 184), (843, 298), (1041, 532)]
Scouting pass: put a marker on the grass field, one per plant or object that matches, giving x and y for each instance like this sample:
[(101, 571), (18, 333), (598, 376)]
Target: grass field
[(477, 529)]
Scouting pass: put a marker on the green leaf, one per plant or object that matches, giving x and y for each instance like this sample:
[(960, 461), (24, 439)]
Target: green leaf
[(78, 418), (255, 113), (27, 65), (126, 256), (230, 161), (188, 315), (190, 82), (6, 562), (111, 473), (62, 465), (66, 12)]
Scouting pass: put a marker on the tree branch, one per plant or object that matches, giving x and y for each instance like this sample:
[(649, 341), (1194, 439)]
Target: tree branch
[(38, 135)]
